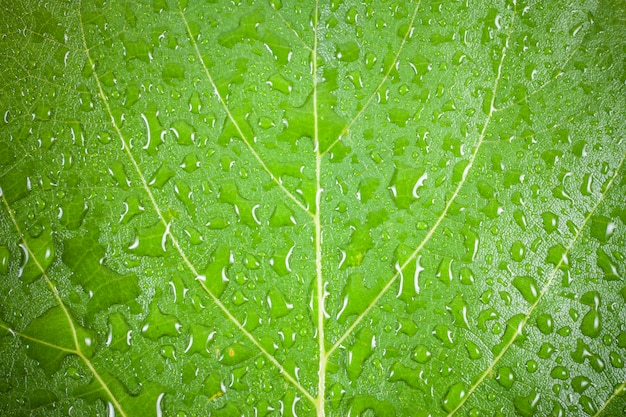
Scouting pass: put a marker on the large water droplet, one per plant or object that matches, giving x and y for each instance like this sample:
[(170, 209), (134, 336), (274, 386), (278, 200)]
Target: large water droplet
[(453, 397), (421, 354), (505, 376), (527, 287), (362, 349)]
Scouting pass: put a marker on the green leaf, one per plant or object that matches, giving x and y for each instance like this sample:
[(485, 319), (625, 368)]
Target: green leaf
[(313, 208)]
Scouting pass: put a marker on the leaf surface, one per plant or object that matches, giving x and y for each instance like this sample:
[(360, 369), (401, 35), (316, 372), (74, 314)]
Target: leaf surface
[(313, 208)]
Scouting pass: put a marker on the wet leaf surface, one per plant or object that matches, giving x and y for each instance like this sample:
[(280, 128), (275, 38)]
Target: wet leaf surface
[(308, 209)]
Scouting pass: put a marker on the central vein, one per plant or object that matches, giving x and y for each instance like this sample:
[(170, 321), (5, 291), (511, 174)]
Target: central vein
[(319, 400)]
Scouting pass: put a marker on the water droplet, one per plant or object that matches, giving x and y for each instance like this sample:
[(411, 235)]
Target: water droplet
[(352, 16), (559, 372), (546, 350), (184, 132), (173, 73), (168, 352), (586, 185), (42, 249), (580, 383), (239, 298), (336, 393), (458, 310), (131, 95), (190, 163), (486, 315), (473, 350), (513, 177), (370, 60), (195, 104), (453, 397), (557, 256), (616, 360), (518, 251), (118, 172), (43, 112), (421, 354), (280, 83), (251, 262), (132, 207), (545, 323), (591, 324), (348, 51), (444, 271), (602, 228), (235, 354), (608, 266), (505, 377), (471, 243), (158, 324), (278, 303), (5, 257), (139, 49), (362, 349), (184, 194), (104, 137), (466, 276), (527, 287), (526, 406), (399, 116), (444, 334)]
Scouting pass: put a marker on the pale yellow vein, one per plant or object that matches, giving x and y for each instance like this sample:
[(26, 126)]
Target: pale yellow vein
[(174, 240), (449, 203), (347, 127), (288, 25), (542, 293), (620, 390), (232, 119), (77, 350)]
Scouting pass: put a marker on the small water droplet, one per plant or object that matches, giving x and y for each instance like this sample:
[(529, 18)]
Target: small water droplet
[(5, 257)]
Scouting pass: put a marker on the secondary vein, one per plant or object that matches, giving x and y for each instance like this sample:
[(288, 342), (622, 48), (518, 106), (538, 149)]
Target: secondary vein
[(542, 293), (449, 203), (231, 117), (347, 127), (173, 238)]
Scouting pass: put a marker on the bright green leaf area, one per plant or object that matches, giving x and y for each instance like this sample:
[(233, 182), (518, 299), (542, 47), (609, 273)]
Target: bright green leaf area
[(313, 208)]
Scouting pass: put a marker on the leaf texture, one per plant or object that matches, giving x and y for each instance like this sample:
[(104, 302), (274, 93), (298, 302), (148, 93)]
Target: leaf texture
[(313, 208)]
